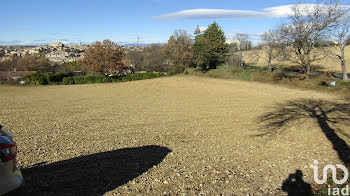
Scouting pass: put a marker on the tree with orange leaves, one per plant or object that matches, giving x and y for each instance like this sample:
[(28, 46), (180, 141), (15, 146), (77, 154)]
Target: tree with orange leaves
[(103, 58)]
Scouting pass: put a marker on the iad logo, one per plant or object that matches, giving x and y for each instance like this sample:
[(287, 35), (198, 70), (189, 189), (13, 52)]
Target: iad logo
[(334, 173), (332, 191)]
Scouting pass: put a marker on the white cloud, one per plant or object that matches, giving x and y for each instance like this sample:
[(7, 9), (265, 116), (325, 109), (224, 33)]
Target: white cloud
[(210, 14), (15, 42), (202, 28), (279, 11), (271, 12), (261, 33)]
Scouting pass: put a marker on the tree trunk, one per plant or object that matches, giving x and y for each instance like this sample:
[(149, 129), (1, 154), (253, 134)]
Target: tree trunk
[(308, 69), (343, 65), (240, 59), (269, 62), (308, 64)]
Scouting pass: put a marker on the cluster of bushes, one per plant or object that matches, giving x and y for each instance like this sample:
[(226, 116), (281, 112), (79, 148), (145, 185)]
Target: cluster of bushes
[(141, 76), (44, 79), (86, 80), (105, 79), (66, 79), (176, 71)]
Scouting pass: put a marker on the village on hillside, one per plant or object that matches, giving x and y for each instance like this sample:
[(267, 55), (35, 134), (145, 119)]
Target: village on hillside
[(55, 52)]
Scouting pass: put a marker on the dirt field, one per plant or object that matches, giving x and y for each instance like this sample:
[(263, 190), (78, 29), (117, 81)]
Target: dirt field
[(329, 64), (172, 135)]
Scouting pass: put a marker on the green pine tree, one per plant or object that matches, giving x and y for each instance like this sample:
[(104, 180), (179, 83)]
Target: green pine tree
[(201, 55), (197, 31), (216, 47)]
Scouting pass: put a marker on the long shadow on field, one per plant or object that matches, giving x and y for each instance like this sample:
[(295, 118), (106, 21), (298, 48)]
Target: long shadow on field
[(325, 112), (92, 174), (294, 185)]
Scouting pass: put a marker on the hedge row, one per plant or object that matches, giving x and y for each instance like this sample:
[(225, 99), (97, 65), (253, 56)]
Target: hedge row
[(44, 79), (104, 79), (60, 78), (86, 80), (140, 76)]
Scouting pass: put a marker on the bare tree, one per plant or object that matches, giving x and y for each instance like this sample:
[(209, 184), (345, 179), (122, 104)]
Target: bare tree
[(342, 33), (7, 65), (154, 59), (309, 26), (34, 62), (271, 46), (233, 58), (136, 57), (243, 39)]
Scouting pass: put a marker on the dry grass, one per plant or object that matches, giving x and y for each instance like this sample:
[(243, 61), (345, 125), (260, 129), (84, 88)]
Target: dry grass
[(331, 64), (210, 126), (290, 80)]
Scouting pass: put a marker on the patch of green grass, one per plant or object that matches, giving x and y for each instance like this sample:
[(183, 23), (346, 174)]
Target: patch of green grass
[(258, 68)]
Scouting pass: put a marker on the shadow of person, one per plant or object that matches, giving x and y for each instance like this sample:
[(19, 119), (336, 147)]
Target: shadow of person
[(93, 174), (294, 185), (326, 113)]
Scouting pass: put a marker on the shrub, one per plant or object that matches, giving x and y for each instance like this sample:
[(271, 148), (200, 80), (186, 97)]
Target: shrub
[(67, 80), (114, 79), (325, 79), (106, 79), (50, 78), (171, 73), (44, 79), (36, 79), (81, 79), (58, 77), (92, 79), (88, 79), (278, 76), (139, 76), (257, 68)]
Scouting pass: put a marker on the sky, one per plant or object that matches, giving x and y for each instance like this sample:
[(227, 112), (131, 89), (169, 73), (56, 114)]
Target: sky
[(33, 22)]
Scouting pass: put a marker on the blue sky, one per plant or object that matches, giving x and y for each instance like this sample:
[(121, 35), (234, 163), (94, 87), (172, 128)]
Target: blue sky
[(153, 21)]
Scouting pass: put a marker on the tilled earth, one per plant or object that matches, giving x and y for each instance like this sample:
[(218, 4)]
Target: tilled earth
[(179, 135)]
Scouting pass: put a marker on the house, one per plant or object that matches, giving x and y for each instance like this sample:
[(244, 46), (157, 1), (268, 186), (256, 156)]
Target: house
[(56, 45)]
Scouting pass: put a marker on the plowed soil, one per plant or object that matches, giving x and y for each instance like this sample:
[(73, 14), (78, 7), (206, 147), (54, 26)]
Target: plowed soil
[(180, 135)]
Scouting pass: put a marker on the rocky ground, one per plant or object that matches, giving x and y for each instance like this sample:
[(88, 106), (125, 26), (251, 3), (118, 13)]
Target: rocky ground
[(179, 135)]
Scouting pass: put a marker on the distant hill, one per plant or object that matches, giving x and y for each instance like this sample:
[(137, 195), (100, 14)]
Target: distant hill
[(136, 44)]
